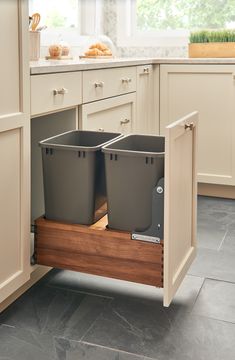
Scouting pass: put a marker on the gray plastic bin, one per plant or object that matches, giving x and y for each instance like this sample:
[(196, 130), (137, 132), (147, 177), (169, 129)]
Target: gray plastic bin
[(134, 164), (73, 176)]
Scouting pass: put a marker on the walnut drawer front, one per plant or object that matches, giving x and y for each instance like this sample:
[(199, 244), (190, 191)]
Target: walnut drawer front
[(104, 83), (52, 92)]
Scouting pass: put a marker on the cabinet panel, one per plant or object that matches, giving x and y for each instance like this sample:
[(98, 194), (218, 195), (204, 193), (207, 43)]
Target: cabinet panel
[(9, 69), (210, 90), (14, 150), (114, 115), (105, 83)]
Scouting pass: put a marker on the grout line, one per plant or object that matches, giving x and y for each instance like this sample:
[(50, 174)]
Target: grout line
[(117, 350), (199, 292), (222, 241)]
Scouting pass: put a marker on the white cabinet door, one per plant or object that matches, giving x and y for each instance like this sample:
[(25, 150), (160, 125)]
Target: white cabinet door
[(146, 119), (14, 148), (180, 202), (210, 90), (116, 114)]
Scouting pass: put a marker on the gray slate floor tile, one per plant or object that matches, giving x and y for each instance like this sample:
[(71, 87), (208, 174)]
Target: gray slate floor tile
[(53, 311), (216, 300), (147, 329), (71, 350), (229, 242), (214, 264), (210, 237), (71, 280), (20, 344)]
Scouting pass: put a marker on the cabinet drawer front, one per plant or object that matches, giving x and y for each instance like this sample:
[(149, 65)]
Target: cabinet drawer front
[(114, 115), (55, 91), (100, 84)]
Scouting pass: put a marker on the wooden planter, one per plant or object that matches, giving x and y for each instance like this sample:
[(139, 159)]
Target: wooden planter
[(212, 50)]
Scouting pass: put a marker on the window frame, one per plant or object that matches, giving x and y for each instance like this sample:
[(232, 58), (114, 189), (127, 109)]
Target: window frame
[(128, 35)]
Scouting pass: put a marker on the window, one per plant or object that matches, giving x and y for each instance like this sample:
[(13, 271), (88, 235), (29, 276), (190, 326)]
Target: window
[(67, 20), (168, 22), (56, 14)]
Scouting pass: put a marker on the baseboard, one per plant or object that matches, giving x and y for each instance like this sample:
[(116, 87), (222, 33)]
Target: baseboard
[(36, 275), (222, 191)]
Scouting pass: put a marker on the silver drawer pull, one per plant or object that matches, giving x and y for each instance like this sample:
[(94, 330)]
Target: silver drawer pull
[(61, 91), (126, 80), (101, 129), (99, 84), (146, 70), (126, 121)]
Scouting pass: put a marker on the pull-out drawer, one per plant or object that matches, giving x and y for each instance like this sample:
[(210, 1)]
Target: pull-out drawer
[(105, 83), (96, 250), (55, 92)]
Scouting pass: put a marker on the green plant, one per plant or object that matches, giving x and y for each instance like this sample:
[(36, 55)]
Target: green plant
[(204, 36)]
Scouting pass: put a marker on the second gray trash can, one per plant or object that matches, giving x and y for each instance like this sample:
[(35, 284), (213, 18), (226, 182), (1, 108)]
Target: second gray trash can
[(134, 165), (73, 176)]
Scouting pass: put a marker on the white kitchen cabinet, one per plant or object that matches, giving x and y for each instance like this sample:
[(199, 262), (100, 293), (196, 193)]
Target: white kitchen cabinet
[(147, 121), (116, 114), (105, 83), (14, 148), (209, 89)]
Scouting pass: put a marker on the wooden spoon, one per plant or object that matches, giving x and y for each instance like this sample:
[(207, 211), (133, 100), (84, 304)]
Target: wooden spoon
[(35, 21)]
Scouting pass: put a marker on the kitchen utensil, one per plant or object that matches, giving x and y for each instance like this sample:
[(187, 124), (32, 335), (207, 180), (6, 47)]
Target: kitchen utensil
[(36, 19), (40, 28)]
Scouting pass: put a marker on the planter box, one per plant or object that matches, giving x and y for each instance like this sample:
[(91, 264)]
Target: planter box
[(212, 50)]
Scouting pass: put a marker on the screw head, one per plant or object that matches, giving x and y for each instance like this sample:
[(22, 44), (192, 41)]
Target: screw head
[(159, 190)]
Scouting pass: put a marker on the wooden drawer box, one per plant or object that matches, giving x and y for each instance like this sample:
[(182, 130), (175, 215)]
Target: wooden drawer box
[(55, 92), (96, 250), (104, 83)]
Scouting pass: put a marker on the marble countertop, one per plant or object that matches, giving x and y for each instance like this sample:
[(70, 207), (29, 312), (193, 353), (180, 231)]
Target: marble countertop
[(54, 66)]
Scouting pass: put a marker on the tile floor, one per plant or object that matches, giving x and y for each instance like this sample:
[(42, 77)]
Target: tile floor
[(72, 316)]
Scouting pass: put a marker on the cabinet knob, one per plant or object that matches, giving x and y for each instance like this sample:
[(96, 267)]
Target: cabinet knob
[(125, 121), (126, 80), (188, 126), (99, 84), (146, 70), (61, 91)]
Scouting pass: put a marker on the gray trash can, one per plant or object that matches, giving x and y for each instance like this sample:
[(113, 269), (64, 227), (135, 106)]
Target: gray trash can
[(73, 176), (134, 164)]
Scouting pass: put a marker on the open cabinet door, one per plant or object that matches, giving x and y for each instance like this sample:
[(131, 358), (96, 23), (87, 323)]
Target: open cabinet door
[(180, 202)]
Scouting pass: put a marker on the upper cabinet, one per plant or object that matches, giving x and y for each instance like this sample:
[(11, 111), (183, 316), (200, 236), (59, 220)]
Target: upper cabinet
[(210, 90), (14, 148)]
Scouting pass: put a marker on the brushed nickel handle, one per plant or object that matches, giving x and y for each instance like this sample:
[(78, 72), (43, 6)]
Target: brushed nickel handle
[(61, 91), (101, 129), (126, 80), (146, 70), (126, 121), (99, 84), (188, 126)]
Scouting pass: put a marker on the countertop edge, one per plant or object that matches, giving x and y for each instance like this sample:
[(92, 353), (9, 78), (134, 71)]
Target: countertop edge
[(55, 66)]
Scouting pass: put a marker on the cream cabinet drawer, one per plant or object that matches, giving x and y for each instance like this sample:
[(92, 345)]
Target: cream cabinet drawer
[(55, 91), (113, 115), (101, 84)]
